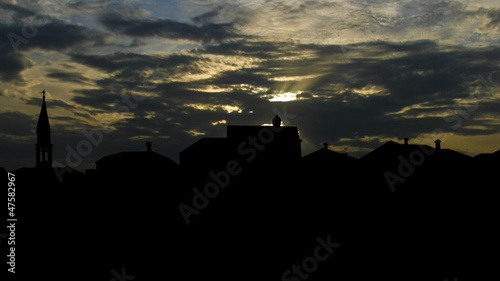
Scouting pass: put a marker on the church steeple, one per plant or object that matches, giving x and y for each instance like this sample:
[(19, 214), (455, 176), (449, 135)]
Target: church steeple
[(43, 144)]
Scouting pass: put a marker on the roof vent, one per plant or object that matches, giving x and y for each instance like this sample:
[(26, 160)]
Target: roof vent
[(438, 144)]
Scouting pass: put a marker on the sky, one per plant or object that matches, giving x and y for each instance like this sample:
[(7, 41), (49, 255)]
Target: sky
[(353, 73)]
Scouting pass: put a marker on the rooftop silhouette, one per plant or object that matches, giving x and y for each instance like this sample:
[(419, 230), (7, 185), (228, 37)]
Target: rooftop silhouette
[(251, 198)]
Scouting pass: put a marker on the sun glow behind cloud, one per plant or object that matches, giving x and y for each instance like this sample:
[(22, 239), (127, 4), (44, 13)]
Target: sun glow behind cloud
[(371, 90), (219, 122), (214, 107), (294, 78), (284, 97), (195, 133)]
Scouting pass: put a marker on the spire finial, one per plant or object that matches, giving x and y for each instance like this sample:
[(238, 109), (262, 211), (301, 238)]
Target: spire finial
[(43, 93)]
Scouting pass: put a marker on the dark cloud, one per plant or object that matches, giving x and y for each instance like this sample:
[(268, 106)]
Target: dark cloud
[(133, 73), (52, 36), (207, 33), (205, 18), (129, 61), (16, 124), (426, 13), (58, 36), (493, 16), (97, 98), (87, 5), (257, 49), (18, 12), (10, 67), (10, 64), (74, 77)]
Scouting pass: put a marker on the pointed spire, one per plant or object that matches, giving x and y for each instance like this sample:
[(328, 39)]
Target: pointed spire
[(43, 144), (43, 119)]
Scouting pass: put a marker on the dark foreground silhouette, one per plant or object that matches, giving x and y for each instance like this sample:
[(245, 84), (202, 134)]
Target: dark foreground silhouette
[(249, 207)]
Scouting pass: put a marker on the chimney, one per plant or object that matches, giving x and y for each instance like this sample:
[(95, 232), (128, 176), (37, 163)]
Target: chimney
[(406, 141), (148, 145), (325, 145), (276, 121), (438, 144)]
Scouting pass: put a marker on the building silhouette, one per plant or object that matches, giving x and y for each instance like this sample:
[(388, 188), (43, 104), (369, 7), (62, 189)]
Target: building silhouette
[(399, 213), (43, 144), (43, 173), (256, 148), (140, 162)]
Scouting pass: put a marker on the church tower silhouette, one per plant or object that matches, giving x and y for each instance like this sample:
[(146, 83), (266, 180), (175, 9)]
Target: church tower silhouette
[(43, 144)]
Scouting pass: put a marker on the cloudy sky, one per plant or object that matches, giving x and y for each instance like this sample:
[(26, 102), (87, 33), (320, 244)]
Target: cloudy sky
[(354, 73)]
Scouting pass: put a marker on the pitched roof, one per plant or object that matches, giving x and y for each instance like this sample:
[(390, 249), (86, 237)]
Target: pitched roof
[(388, 149), (495, 156), (391, 150), (323, 154)]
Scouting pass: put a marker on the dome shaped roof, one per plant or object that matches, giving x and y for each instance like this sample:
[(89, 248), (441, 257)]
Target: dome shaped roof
[(136, 160)]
